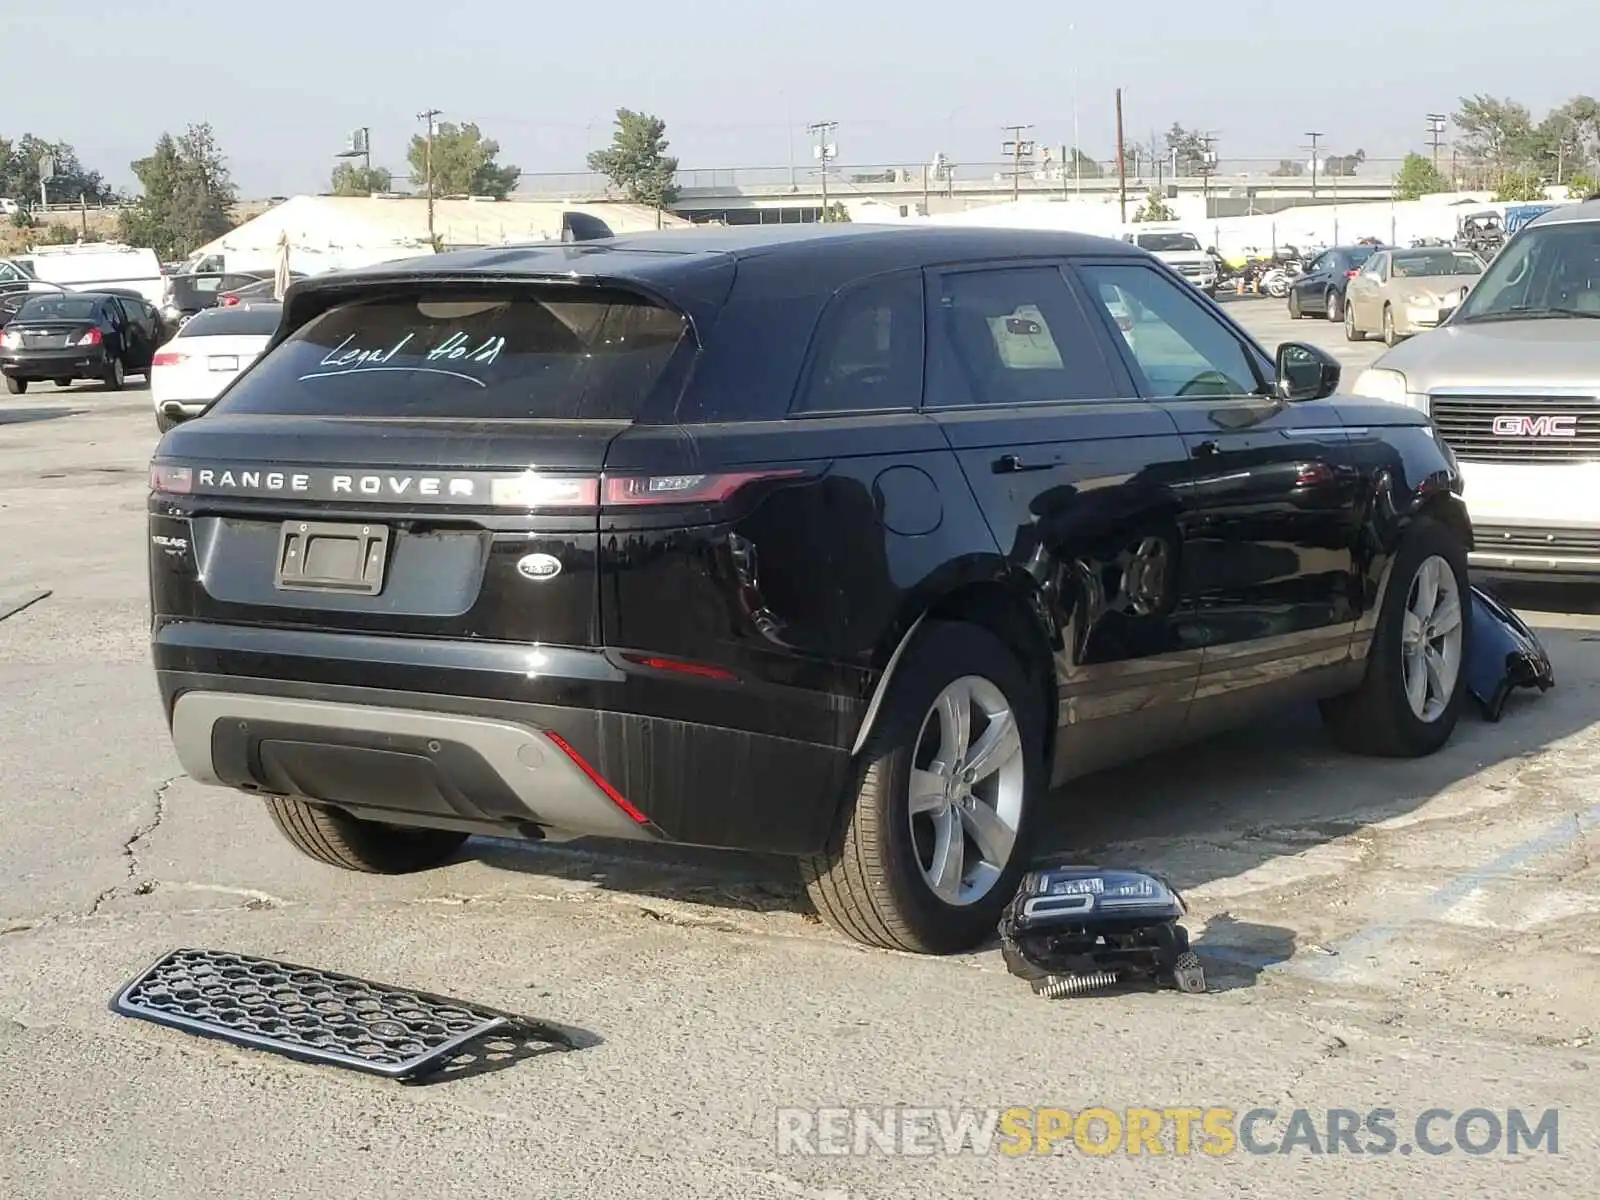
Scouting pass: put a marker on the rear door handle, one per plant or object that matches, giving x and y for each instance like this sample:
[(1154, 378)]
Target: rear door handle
[(1009, 464)]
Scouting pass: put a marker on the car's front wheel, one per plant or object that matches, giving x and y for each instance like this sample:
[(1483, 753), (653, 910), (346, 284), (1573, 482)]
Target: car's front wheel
[(1409, 701), (1351, 332), (1333, 306), (934, 834), (340, 840)]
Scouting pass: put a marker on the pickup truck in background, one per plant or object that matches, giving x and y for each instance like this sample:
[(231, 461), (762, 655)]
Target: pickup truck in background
[(1181, 251)]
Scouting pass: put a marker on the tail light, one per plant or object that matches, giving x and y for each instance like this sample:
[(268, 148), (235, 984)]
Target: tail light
[(11, 339), (229, 301), (92, 338), (681, 489), (630, 491), (176, 481), (167, 358), (1351, 274)]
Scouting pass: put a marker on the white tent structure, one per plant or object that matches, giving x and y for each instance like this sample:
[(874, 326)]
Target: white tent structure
[(328, 233)]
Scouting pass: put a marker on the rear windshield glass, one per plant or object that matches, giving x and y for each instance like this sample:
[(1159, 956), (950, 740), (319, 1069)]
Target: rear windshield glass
[(58, 308), (1167, 243), (556, 354), (226, 322)]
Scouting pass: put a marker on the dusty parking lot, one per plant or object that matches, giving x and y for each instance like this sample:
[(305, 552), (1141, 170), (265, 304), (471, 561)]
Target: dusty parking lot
[(1408, 936)]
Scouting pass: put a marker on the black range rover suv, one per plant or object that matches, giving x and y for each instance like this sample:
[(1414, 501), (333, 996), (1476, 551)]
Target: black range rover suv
[(842, 543)]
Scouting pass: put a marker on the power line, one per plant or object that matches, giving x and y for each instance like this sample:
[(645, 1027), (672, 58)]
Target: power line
[(1016, 148)]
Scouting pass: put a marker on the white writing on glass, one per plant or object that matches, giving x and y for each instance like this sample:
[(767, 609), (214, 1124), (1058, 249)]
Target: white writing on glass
[(348, 359)]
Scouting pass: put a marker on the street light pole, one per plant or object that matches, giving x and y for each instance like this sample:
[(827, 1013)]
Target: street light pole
[(430, 116)]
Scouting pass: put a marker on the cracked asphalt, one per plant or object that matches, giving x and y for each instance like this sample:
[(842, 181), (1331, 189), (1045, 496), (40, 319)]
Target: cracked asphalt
[(1378, 935)]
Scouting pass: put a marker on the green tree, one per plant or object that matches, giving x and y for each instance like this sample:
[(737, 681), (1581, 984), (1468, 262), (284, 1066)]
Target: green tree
[(188, 195), (1418, 177), (463, 163), (1498, 133), (1079, 165), (1186, 147), (836, 213), (637, 161), (1155, 208), (70, 183), (1582, 184), (351, 180), (1520, 186)]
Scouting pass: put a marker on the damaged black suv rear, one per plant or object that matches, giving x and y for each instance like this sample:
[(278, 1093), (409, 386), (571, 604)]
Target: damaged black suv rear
[(840, 544)]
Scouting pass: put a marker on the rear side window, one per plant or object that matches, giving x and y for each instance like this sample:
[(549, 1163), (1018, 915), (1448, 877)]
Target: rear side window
[(1015, 336), (245, 319), (867, 354), (558, 354)]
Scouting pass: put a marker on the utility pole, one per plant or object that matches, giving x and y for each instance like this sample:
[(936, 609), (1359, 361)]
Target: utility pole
[(430, 116), (825, 151), (1016, 148), (1208, 166), (1437, 124), (1122, 164), (1315, 139)]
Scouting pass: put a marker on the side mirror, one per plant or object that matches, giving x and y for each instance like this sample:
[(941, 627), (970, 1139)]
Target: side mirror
[(1305, 372)]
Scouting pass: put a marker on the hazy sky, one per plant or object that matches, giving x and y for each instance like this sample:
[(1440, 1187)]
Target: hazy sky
[(283, 82)]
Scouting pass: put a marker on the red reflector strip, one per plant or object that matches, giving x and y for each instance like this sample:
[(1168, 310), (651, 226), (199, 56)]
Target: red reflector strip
[(680, 667), (683, 489), (596, 778), (177, 480)]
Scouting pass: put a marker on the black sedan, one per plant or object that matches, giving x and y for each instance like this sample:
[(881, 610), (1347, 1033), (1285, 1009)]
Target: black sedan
[(78, 335), (1319, 292)]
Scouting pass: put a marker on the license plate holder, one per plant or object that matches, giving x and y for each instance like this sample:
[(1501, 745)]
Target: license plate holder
[(326, 556), (223, 362)]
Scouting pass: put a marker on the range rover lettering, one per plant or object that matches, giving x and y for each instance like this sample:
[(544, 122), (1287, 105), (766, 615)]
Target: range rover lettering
[(847, 544)]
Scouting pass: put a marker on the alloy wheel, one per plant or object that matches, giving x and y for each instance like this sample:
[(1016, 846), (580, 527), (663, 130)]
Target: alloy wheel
[(967, 790), (1431, 639)]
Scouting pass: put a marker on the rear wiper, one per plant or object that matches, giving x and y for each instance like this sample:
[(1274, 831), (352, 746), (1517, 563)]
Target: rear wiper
[(1527, 313)]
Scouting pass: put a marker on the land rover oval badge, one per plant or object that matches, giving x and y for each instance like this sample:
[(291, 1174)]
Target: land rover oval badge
[(539, 566)]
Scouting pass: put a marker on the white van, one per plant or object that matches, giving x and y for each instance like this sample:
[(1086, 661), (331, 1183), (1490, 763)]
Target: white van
[(98, 264)]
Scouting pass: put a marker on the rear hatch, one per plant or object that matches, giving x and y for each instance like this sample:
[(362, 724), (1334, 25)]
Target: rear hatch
[(49, 335), (422, 459)]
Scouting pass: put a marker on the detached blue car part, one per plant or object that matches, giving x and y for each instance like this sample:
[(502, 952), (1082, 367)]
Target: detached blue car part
[(1075, 929), (1502, 654)]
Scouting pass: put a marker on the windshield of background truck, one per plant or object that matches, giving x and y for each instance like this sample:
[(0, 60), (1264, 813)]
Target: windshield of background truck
[(1546, 269), (1166, 243)]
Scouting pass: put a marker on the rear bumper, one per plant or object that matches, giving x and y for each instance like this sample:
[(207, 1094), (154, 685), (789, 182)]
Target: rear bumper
[(71, 363), (473, 759)]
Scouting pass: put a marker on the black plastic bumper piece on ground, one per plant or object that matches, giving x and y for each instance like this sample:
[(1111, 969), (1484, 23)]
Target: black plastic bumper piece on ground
[(318, 1016)]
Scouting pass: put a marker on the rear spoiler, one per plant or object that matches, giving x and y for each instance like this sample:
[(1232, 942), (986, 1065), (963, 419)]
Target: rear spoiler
[(581, 227)]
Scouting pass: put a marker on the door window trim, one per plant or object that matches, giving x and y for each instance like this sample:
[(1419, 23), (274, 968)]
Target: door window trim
[(1122, 383), (808, 366), (1261, 366)]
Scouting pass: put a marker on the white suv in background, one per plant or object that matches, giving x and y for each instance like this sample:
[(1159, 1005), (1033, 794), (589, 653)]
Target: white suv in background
[(1181, 251), (1512, 381), (210, 351)]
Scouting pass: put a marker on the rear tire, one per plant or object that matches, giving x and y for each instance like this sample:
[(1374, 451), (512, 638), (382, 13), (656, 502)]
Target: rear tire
[(1334, 306), (340, 840), (16, 386), (1294, 305), (1351, 333), (875, 880), (115, 376), (62, 383), (1390, 338), (1378, 717)]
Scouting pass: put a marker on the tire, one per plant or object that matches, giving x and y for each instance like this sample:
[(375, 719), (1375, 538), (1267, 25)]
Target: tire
[(1378, 718), (16, 386), (1294, 306), (115, 376), (873, 882), (62, 383), (1390, 338), (1334, 306), (340, 840), (1351, 333)]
